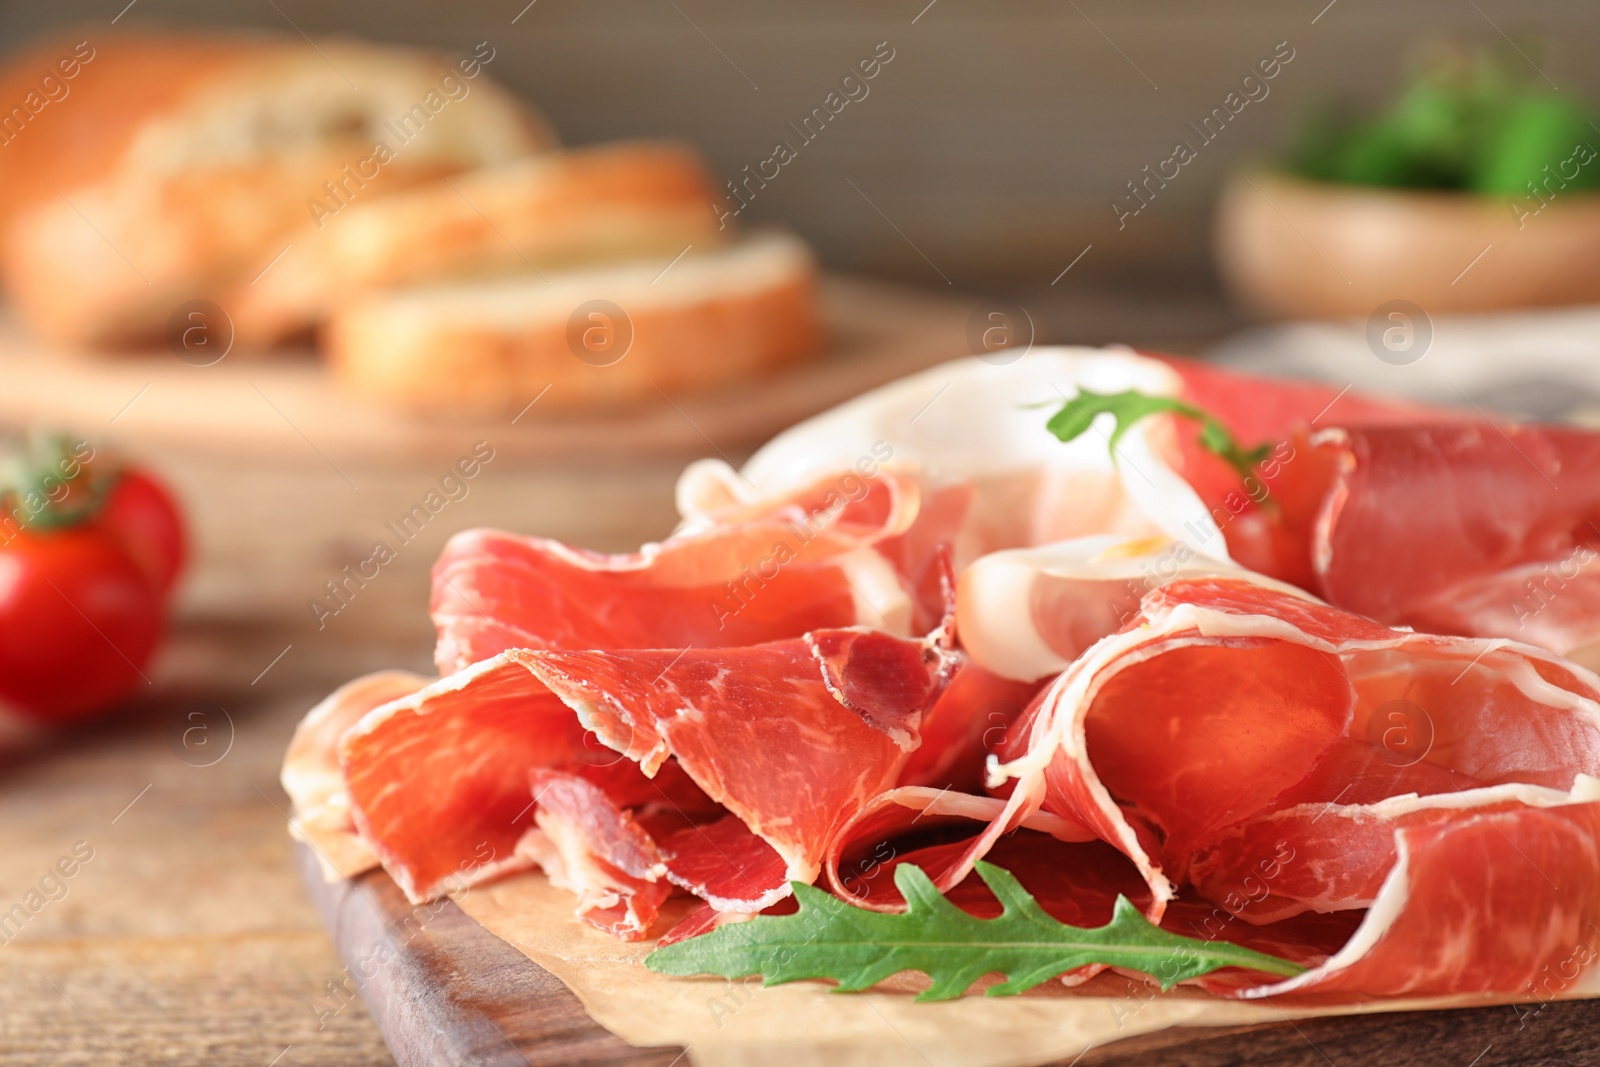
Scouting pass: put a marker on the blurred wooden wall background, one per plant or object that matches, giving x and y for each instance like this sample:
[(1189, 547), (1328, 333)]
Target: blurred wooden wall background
[(994, 141)]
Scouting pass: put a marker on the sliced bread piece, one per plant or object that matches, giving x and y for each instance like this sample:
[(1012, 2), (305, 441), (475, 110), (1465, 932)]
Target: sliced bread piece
[(630, 200), (594, 337)]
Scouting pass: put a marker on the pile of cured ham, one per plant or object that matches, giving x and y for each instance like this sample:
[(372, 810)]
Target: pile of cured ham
[(1334, 707)]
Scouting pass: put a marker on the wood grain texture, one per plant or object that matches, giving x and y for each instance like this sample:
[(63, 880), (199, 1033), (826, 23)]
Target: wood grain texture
[(449, 993), (1559, 1034), (187, 938)]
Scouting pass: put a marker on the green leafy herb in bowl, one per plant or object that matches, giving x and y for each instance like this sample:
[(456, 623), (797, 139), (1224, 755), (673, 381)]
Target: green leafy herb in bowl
[(1477, 121), (1473, 190)]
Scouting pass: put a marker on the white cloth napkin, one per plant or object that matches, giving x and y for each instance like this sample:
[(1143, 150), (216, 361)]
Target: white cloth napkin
[(1536, 365)]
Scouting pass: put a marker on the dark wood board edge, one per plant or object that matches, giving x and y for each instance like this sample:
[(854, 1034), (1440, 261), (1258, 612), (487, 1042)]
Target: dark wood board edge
[(445, 992), (1555, 1034)]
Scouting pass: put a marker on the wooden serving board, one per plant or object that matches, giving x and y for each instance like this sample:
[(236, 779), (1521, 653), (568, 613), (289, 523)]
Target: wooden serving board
[(252, 404), (451, 994)]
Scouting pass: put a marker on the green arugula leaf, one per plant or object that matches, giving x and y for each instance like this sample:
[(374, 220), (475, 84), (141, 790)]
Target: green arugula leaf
[(828, 938), (1079, 413)]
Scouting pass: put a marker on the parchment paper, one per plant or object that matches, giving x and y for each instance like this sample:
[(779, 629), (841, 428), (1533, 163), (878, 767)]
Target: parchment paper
[(804, 1024)]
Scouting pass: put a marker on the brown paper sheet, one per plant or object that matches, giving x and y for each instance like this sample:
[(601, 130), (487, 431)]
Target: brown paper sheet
[(743, 1024)]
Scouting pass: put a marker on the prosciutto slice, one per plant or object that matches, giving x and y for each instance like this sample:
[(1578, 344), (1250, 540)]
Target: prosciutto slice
[(586, 843), (438, 780), (1462, 528), (1496, 902), (747, 571), (315, 783), (1241, 743), (1440, 520), (1270, 411), (791, 737)]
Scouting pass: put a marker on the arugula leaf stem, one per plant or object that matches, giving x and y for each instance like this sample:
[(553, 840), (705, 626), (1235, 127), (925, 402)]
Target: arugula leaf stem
[(1077, 415)]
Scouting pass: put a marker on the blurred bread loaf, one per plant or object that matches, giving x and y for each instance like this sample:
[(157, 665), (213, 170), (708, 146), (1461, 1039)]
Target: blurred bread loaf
[(170, 167), (398, 202), (593, 337), (622, 201)]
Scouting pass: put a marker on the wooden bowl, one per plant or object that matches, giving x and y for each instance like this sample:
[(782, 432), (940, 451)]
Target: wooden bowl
[(1293, 248)]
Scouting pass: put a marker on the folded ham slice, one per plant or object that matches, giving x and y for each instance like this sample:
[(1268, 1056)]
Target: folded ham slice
[(1277, 757), (1258, 517), (1463, 528), (312, 778), (586, 842), (438, 781), (1440, 520), (1499, 902), (791, 737), (749, 571)]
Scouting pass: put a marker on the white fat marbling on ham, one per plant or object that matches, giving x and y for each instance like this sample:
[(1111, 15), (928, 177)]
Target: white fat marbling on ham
[(1027, 613)]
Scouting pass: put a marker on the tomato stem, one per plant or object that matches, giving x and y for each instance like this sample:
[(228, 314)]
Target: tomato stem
[(47, 482)]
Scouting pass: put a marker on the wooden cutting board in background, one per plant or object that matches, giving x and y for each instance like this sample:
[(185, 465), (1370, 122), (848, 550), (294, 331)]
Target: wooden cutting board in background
[(286, 479)]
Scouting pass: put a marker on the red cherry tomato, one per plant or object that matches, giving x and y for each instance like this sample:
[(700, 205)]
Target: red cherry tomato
[(141, 513), (79, 619)]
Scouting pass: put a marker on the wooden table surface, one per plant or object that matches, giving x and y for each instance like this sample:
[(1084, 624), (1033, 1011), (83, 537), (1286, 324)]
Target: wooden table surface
[(187, 937)]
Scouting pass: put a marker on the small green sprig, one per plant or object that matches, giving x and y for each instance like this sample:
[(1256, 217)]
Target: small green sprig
[(857, 948), (1079, 413)]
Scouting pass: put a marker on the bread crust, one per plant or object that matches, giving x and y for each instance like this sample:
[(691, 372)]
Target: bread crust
[(79, 138)]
